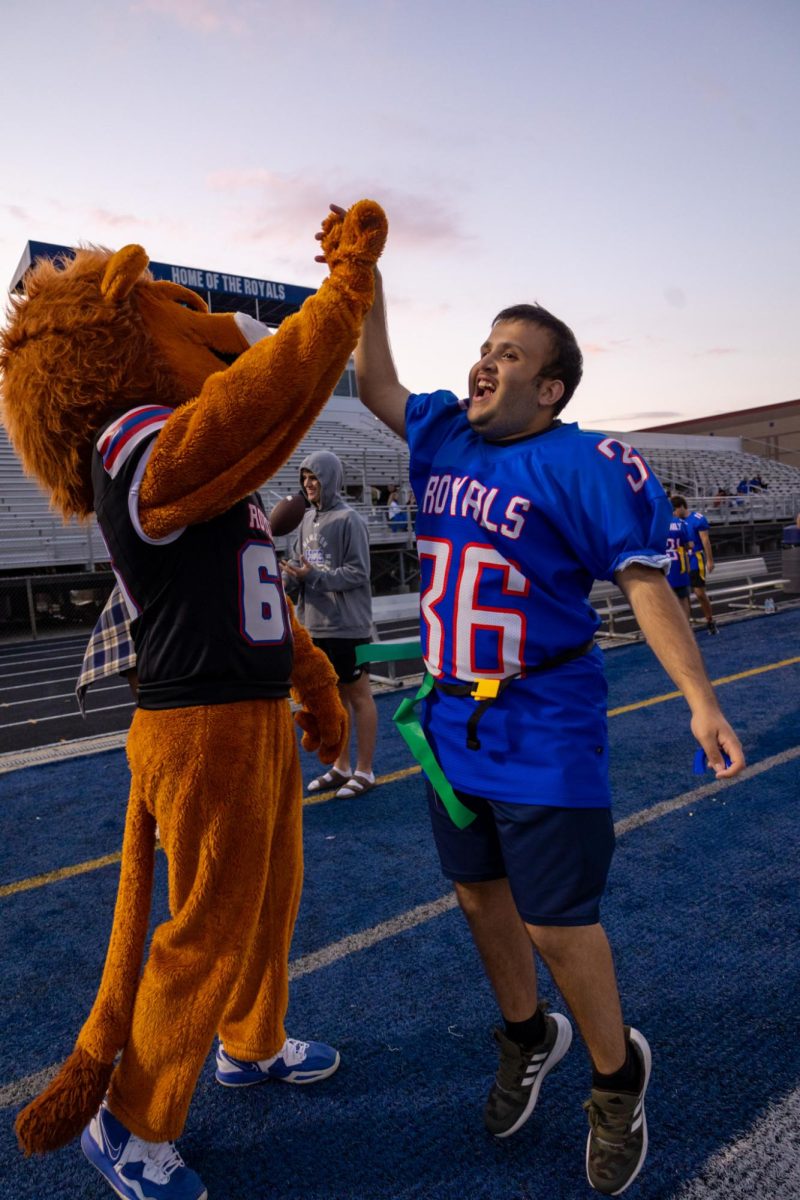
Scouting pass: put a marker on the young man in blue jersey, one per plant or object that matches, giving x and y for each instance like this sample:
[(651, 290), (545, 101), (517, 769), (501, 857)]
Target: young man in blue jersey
[(679, 545), (701, 557), (517, 515)]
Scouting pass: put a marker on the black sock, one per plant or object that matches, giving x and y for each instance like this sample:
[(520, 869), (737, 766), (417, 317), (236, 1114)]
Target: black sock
[(627, 1079), (527, 1033)]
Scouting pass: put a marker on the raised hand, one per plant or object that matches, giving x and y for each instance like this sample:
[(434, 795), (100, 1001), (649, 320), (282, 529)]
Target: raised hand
[(356, 235)]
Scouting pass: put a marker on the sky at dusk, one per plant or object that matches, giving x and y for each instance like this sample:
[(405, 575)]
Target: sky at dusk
[(631, 165)]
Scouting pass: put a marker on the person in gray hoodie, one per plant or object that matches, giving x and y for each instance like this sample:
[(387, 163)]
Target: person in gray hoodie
[(330, 566)]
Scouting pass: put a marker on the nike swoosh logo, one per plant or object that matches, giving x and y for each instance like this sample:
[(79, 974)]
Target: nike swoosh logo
[(110, 1149)]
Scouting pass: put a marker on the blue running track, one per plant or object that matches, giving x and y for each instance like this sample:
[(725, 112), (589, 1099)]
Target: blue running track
[(702, 909)]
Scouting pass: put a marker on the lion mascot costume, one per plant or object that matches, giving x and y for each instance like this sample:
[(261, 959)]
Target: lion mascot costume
[(126, 397)]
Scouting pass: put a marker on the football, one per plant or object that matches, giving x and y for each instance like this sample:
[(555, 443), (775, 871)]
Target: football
[(287, 514)]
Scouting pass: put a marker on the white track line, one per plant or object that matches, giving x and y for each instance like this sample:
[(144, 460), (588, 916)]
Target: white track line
[(37, 671), (37, 683), (71, 656), (24, 1089), (44, 650), (62, 695), (762, 1163), (67, 716)]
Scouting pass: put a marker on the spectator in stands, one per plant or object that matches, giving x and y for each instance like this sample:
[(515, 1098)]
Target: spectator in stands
[(701, 557), (511, 533), (720, 499), (757, 484), (329, 568), (742, 489), (678, 546), (396, 514)]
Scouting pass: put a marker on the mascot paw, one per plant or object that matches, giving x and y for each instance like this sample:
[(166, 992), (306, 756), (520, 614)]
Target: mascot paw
[(308, 723), (325, 729), (358, 235)]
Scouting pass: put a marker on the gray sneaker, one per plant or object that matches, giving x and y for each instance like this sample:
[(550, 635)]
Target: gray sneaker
[(617, 1144), (519, 1077)]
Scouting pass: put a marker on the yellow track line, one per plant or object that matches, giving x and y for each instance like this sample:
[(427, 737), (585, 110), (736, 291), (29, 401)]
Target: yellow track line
[(93, 864), (785, 662), (35, 881), (108, 860)]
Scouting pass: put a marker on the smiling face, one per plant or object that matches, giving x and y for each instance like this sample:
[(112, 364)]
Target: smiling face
[(312, 488), (508, 399)]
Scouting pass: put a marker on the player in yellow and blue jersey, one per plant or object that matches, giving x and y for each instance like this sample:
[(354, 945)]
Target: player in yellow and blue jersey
[(679, 545), (701, 557)]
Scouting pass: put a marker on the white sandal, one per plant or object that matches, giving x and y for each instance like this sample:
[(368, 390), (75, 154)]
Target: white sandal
[(331, 779), (356, 785)]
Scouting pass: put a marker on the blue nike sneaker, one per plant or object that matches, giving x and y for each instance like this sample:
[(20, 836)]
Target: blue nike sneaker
[(297, 1062), (135, 1169)]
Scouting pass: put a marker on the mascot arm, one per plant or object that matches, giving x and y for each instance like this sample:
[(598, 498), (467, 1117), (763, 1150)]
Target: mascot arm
[(248, 419), (322, 717)]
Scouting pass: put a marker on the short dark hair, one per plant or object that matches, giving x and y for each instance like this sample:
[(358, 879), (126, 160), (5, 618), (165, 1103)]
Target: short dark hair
[(678, 502), (567, 362)]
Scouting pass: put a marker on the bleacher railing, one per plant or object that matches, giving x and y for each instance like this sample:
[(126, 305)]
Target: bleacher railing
[(31, 540)]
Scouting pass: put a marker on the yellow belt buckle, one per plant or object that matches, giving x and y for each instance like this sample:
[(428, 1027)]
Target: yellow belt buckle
[(485, 689)]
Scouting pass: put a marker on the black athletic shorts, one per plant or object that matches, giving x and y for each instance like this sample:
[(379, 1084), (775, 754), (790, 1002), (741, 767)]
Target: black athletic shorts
[(556, 859), (342, 654)]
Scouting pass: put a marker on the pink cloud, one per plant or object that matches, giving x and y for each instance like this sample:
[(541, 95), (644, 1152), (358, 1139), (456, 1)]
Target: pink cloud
[(292, 203), (101, 216), (716, 351), (201, 16), (605, 347), (19, 214)]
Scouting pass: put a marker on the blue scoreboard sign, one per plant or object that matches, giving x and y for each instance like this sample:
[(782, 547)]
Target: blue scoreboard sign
[(264, 299)]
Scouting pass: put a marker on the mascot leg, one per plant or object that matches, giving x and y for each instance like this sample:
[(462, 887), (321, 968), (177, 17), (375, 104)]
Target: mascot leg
[(251, 1026), (69, 1102), (216, 773)]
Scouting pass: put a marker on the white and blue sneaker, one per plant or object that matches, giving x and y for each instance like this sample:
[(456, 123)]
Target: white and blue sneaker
[(297, 1062), (135, 1169)]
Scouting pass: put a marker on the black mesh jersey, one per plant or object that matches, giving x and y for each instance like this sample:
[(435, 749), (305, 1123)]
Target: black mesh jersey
[(209, 618)]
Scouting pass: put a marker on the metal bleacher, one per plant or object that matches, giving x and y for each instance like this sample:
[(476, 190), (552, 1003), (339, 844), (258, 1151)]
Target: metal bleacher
[(32, 536), (700, 473), (371, 454)]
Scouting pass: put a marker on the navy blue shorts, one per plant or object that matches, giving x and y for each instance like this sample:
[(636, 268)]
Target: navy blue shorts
[(556, 859)]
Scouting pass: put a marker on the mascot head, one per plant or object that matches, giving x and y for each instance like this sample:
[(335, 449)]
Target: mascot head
[(91, 337)]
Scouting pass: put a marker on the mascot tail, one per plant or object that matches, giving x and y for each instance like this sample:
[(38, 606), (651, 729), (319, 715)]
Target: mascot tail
[(70, 1101)]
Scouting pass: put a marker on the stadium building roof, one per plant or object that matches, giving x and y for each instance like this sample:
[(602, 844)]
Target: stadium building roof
[(736, 416), (264, 299)]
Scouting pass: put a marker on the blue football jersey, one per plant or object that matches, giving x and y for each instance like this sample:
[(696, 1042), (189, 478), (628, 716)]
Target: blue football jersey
[(678, 551), (696, 522), (510, 538)]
